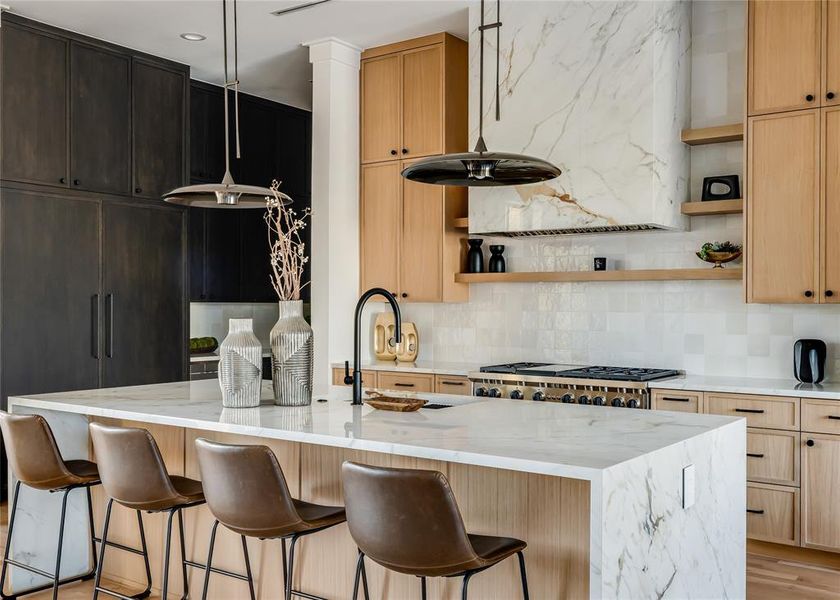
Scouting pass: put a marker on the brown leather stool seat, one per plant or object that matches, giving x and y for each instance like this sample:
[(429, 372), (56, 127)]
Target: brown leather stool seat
[(408, 521), (134, 475), (36, 462), (247, 492)]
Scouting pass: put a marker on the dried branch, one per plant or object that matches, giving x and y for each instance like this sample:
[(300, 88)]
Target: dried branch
[(287, 251)]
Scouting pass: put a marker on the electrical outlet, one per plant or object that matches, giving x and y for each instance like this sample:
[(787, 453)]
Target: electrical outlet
[(688, 486)]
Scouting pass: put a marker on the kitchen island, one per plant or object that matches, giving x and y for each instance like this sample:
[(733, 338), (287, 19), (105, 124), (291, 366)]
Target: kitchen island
[(597, 492)]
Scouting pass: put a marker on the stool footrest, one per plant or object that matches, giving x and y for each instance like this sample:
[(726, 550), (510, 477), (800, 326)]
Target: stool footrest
[(203, 567), (115, 594), (46, 586)]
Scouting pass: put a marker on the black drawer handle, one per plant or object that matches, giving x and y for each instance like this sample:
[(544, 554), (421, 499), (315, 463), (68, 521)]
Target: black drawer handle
[(76, 182), (755, 455), (755, 511), (667, 399), (835, 417), (462, 383), (398, 384), (138, 190), (755, 411), (94, 326), (62, 180)]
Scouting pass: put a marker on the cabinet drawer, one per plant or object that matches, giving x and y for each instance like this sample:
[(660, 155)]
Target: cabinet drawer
[(368, 378), (410, 382), (453, 384), (760, 411), (821, 416), (773, 513), (677, 400), (773, 456)]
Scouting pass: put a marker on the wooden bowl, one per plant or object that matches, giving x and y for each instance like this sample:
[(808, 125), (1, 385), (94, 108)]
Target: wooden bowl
[(394, 403), (719, 258)]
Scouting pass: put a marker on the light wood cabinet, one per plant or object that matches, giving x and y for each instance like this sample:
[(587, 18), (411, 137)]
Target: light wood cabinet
[(820, 491), (773, 513), (453, 384), (409, 382), (773, 456), (829, 291), (677, 401), (381, 226), (421, 265), (422, 101), (381, 117), (775, 412), (783, 180), (368, 378), (784, 51), (821, 416), (831, 53)]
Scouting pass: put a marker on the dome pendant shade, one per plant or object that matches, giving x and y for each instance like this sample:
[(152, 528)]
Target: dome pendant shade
[(481, 169)]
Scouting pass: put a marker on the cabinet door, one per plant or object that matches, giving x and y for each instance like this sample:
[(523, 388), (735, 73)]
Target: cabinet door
[(294, 130), (820, 491), (100, 120), (784, 55), (222, 252), (255, 269), (782, 207), (380, 226), (195, 254), (422, 242), (381, 119), (145, 295), (830, 220), (50, 287), (33, 102), (422, 102), (158, 131), (207, 126), (258, 164), (831, 53)]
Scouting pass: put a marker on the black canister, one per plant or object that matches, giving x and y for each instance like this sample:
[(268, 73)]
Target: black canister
[(809, 360), (475, 257), (497, 261)]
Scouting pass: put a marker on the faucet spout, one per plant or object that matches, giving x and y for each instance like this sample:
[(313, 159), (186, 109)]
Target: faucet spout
[(356, 377)]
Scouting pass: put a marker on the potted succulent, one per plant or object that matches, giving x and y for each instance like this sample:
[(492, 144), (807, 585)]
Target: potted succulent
[(719, 253)]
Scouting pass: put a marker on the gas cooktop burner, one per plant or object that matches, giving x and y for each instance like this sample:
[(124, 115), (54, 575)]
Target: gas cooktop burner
[(512, 368), (605, 373)]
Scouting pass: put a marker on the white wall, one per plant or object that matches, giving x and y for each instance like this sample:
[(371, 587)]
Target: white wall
[(702, 327)]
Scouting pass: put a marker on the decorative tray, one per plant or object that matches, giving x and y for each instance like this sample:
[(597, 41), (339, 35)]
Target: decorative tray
[(394, 403)]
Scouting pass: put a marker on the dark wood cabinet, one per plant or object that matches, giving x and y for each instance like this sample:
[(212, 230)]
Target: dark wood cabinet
[(33, 104), (294, 135), (144, 293), (259, 163), (158, 116), (207, 144), (255, 267), (100, 120), (222, 254)]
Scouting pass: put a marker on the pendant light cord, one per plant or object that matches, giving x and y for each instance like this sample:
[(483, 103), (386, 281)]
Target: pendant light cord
[(480, 146), (227, 131), (236, 77), (498, 47)]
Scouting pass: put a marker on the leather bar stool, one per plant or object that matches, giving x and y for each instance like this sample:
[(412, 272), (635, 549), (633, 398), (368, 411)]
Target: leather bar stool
[(36, 462), (408, 521), (247, 492), (134, 475)]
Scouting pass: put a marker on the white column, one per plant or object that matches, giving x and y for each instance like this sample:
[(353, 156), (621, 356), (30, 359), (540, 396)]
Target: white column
[(335, 201)]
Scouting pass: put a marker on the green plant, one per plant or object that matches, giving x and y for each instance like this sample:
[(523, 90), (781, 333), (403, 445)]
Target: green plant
[(717, 247)]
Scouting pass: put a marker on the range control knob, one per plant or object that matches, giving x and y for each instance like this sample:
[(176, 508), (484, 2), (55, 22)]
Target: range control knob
[(494, 393), (481, 391), (567, 399), (584, 399), (516, 394), (599, 401), (538, 396), (617, 402), (633, 403)]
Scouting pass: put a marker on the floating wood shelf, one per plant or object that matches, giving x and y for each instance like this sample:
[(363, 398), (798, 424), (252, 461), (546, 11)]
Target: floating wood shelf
[(702, 274), (461, 223), (713, 207), (713, 135)]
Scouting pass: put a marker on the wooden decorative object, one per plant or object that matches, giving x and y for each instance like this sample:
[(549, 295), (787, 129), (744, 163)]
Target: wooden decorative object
[(719, 258), (394, 403)]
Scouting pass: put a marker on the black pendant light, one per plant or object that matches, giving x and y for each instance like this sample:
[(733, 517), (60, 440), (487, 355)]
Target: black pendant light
[(226, 194), (480, 167)]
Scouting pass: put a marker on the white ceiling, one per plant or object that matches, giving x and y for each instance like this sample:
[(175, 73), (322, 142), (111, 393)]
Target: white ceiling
[(272, 63)]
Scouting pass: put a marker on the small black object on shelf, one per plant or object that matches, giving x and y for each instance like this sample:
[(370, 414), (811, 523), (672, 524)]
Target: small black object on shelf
[(733, 188), (809, 360), (599, 263), (475, 257), (497, 261)]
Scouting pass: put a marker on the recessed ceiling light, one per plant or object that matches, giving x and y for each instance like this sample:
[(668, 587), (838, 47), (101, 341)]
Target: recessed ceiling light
[(193, 37)]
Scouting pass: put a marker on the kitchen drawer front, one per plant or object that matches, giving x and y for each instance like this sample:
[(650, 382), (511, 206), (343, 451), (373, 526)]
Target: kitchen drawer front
[(453, 384), (773, 456), (773, 513), (821, 416), (406, 382), (677, 400), (368, 378), (774, 412)]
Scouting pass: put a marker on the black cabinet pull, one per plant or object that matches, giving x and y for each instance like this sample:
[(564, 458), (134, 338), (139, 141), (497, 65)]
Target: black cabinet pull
[(404, 295), (755, 455), (835, 417), (138, 190), (809, 97), (76, 182), (829, 293), (109, 326), (757, 411), (668, 399), (398, 384), (94, 326), (393, 152), (462, 383), (810, 443), (830, 95), (62, 180), (405, 150), (808, 293), (755, 511)]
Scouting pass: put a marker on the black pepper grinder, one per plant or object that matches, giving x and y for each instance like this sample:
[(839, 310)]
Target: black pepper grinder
[(475, 257)]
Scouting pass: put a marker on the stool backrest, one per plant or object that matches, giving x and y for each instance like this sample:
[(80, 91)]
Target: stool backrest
[(244, 486), (33, 454), (130, 466), (404, 517)]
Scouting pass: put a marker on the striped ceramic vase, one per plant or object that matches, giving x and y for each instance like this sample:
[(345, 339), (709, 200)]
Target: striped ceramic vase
[(291, 356), (240, 366)]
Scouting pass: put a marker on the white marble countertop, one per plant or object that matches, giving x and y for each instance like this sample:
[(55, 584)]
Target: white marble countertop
[(537, 437), (750, 385), (421, 366)]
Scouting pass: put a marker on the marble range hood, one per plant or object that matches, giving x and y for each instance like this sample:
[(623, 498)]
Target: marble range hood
[(601, 89)]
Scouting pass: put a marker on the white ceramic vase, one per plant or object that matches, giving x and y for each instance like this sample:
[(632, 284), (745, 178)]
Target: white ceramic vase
[(240, 366), (291, 356)]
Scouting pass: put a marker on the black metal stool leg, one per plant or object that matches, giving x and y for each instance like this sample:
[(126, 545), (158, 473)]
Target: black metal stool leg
[(364, 582), (98, 580), (523, 574), (209, 559), (423, 588), (92, 572), (186, 593), (248, 568), (60, 544), (467, 576), (359, 563), (145, 551), (9, 538), (285, 566), (290, 574), (166, 550)]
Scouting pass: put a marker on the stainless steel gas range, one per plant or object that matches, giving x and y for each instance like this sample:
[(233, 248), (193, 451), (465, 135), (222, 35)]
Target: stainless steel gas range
[(570, 384)]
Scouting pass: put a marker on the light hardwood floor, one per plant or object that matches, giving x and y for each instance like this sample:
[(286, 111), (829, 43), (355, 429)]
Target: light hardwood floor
[(768, 578)]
